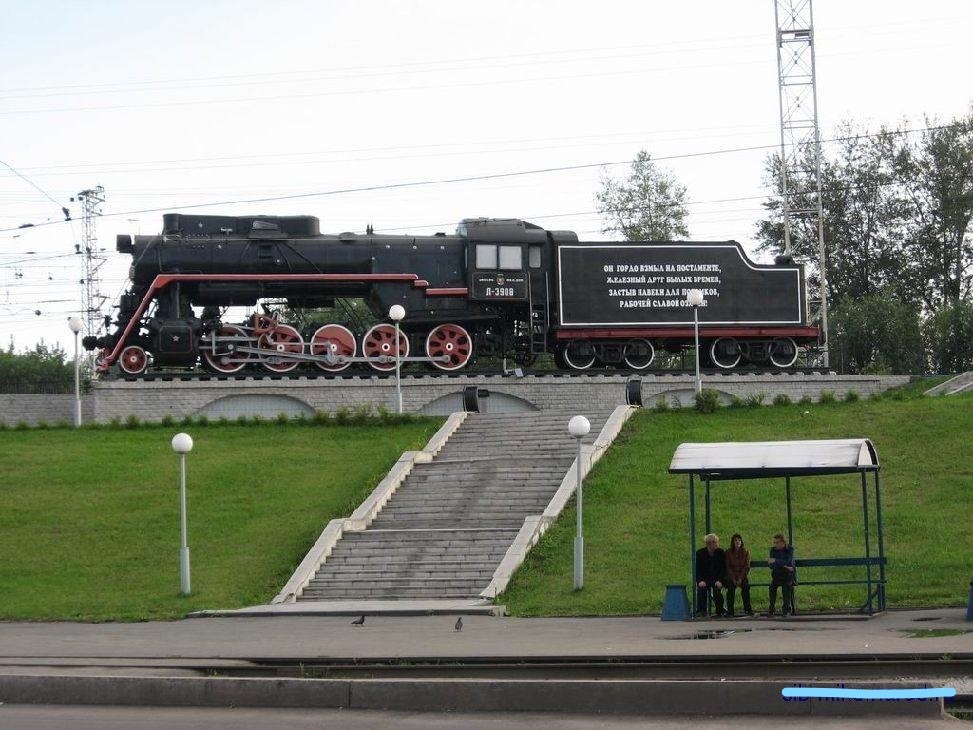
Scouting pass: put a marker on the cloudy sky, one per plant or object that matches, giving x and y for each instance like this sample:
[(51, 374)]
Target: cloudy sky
[(200, 102)]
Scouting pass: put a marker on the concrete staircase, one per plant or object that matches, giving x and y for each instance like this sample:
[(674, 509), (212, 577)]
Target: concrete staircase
[(446, 528), (958, 384)]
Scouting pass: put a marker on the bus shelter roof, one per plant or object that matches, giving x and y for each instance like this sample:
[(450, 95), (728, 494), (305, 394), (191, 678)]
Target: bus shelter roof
[(762, 459)]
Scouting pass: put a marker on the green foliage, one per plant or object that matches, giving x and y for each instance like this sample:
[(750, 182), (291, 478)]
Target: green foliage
[(806, 400), (283, 419), (949, 338), (43, 369), (649, 205), (661, 405), (637, 516), (115, 421), (167, 420), (736, 402), (707, 400), (876, 334), (84, 517), (827, 396), (242, 420), (782, 399), (187, 420), (132, 421), (755, 400), (851, 396)]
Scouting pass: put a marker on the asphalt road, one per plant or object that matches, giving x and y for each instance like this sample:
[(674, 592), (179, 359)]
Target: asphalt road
[(47, 717)]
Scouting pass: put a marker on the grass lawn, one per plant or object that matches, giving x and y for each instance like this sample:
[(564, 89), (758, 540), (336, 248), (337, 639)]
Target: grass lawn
[(89, 528), (637, 523)]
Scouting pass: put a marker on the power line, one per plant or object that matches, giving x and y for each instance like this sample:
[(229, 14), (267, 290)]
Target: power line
[(38, 188), (473, 178)]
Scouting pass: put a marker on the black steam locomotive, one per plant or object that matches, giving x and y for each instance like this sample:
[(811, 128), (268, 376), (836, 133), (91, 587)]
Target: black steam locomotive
[(497, 287)]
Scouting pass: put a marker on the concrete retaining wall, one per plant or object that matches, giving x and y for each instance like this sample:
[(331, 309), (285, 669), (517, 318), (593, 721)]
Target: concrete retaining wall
[(152, 400), (627, 697)]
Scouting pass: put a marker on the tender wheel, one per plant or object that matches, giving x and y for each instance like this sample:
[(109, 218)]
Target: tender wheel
[(380, 340), (223, 358), (639, 354), (133, 360), (283, 340), (783, 352), (335, 339), (453, 341), (725, 353), (579, 354)]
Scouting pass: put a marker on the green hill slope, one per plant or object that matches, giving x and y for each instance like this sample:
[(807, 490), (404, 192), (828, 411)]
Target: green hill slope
[(637, 525), (90, 522)]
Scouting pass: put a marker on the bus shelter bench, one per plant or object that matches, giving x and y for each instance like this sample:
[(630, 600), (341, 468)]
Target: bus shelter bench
[(826, 563)]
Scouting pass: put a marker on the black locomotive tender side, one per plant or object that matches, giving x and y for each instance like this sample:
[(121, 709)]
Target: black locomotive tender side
[(497, 287)]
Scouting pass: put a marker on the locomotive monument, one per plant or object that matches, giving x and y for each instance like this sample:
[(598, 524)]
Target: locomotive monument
[(497, 287)]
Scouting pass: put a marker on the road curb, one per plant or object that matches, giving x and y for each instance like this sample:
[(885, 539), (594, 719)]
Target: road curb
[(633, 697)]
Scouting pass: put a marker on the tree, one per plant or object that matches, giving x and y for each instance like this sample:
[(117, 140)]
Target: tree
[(648, 205), (862, 214), (949, 338), (43, 369), (877, 333), (936, 177)]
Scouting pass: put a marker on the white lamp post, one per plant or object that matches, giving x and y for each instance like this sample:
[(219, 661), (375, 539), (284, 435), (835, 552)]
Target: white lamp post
[(695, 299), (578, 427), (76, 324), (397, 314), (182, 444)]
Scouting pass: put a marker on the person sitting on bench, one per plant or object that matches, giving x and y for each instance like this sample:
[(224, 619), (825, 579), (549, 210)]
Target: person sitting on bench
[(710, 575), (782, 574), (737, 570)]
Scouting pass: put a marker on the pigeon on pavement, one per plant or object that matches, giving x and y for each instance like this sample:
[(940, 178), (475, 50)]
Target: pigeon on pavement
[(360, 621), (459, 624)]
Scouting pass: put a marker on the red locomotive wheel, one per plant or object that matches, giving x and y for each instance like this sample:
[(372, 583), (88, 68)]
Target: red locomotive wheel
[(450, 340), (282, 341), (223, 357), (380, 340), (133, 360), (335, 339)]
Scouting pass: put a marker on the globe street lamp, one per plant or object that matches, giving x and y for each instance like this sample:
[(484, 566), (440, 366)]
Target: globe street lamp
[(695, 299), (76, 324), (578, 427), (182, 444), (397, 314)]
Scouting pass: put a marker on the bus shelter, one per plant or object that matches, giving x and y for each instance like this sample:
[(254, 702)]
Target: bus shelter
[(787, 460)]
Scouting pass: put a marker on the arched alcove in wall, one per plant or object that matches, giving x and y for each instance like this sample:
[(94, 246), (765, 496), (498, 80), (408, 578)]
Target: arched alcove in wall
[(264, 405), (494, 403)]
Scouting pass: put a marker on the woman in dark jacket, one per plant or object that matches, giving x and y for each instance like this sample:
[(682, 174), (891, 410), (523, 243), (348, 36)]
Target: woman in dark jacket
[(737, 570)]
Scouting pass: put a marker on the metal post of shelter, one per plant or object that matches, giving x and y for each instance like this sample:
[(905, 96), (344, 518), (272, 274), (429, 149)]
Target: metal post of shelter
[(881, 545), (790, 514), (868, 563), (709, 521), (692, 536)]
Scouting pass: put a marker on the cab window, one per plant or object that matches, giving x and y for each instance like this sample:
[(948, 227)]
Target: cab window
[(486, 256), (534, 257), (511, 258)]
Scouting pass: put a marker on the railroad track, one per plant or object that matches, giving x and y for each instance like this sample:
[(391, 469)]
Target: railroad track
[(243, 375)]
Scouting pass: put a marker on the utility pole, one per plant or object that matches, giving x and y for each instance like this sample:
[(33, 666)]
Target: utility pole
[(800, 139), (92, 258)]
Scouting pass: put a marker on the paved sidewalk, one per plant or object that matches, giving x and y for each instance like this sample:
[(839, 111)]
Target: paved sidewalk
[(313, 637)]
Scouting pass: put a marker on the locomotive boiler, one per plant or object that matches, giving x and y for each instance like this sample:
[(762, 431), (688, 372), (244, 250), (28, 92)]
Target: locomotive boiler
[(496, 287)]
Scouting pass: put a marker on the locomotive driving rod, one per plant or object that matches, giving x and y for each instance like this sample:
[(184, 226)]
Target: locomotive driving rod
[(330, 358)]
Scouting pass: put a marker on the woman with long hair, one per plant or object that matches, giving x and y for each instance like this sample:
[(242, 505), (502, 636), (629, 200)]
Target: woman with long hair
[(737, 571)]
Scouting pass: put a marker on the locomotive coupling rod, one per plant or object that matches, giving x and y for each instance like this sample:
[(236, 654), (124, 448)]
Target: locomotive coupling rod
[(330, 359)]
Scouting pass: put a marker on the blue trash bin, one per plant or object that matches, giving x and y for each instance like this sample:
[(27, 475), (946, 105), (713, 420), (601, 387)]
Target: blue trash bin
[(676, 604)]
